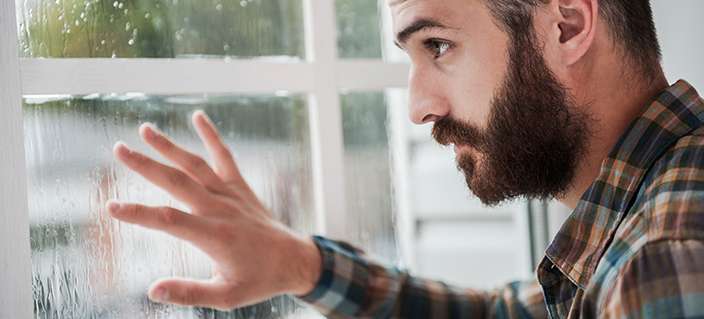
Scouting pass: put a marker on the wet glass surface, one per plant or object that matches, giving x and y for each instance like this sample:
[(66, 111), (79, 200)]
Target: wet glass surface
[(87, 265), (358, 28), (161, 28), (368, 169)]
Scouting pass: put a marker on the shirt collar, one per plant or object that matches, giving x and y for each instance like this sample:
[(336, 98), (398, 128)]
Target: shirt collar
[(578, 246)]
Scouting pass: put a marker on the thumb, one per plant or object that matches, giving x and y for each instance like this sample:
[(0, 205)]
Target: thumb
[(189, 292)]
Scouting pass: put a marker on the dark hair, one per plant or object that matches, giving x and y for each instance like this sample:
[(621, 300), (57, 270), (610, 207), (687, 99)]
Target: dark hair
[(630, 22)]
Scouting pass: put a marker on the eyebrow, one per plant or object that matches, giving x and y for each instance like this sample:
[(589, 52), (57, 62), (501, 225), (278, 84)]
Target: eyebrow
[(416, 26)]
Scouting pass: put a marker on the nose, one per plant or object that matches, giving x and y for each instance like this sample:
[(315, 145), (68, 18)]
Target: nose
[(427, 100)]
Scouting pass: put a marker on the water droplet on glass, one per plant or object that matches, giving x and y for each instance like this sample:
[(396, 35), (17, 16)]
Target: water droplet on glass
[(243, 3), (121, 5), (130, 42), (218, 7), (115, 4), (128, 26), (147, 15)]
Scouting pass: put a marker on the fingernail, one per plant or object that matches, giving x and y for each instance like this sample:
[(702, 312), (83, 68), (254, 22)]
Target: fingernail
[(204, 115), (160, 295), (149, 130), (121, 145), (114, 206)]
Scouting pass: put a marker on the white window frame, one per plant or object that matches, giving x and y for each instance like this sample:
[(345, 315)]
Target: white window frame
[(15, 261), (321, 76)]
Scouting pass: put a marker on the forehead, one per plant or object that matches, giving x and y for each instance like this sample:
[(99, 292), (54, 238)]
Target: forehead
[(455, 13)]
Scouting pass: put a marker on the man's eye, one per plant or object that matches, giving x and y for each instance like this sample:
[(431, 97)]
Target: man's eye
[(437, 47)]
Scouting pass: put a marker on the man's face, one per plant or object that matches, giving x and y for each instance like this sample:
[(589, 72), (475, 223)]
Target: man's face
[(491, 94)]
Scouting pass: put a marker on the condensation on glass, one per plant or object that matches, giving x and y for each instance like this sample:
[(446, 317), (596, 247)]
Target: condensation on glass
[(87, 265), (358, 28), (161, 28), (368, 173)]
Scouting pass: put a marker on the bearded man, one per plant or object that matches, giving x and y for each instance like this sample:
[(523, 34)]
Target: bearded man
[(557, 99)]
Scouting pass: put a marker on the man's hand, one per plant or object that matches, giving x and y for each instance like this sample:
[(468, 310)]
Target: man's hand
[(255, 257)]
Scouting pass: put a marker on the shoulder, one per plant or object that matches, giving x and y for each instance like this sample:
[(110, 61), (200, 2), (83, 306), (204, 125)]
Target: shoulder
[(660, 240), (670, 201), (662, 279)]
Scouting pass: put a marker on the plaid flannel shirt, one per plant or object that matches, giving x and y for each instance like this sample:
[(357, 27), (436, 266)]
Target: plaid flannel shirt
[(632, 248)]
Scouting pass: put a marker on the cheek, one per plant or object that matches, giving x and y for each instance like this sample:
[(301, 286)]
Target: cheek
[(477, 75), (472, 92)]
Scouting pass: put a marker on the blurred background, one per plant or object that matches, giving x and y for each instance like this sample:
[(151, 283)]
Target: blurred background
[(405, 201)]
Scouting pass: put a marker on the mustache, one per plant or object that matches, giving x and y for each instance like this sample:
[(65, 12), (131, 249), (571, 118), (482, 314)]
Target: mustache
[(448, 131)]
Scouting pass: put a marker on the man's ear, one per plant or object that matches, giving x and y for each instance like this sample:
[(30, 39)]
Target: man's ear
[(577, 24)]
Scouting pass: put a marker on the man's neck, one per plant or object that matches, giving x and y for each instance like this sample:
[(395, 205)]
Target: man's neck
[(613, 107)]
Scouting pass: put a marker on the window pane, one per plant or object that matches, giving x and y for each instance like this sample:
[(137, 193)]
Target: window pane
[(358, 28), (370, 206), (87, 265), (160, 28)]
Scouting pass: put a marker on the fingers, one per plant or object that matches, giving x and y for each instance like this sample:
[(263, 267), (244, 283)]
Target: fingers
[(172, 180), (224, 162), (169, 220), (199, 293), (191, 164)]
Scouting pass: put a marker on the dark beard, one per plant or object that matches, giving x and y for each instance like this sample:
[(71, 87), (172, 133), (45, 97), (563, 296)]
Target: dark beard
[(534, 138)]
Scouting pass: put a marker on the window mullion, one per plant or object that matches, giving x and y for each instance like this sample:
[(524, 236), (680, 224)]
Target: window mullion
[(15, 257), (326, 118), (162, 76), (195, 76)]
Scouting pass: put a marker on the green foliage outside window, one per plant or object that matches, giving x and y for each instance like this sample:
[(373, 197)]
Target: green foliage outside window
[(358, 28), (161, 28)]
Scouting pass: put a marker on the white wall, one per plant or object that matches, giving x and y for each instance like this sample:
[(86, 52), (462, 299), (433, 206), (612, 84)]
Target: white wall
[(681, 32)]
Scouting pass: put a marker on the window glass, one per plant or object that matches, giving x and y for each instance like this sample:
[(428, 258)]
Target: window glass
[(369, 196), (358, 28), (160, 28), (87, 265)]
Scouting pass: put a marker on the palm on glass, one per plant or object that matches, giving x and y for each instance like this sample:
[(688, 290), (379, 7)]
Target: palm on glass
[(255, 257)]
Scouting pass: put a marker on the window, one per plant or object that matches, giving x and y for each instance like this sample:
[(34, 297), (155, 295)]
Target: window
[(368, 174), (84, 264), (161, 28), (358, 28), (266, 71), (309, 94)]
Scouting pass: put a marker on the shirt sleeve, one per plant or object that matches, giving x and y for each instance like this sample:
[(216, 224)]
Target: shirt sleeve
[(353, 286), (663, 280)]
